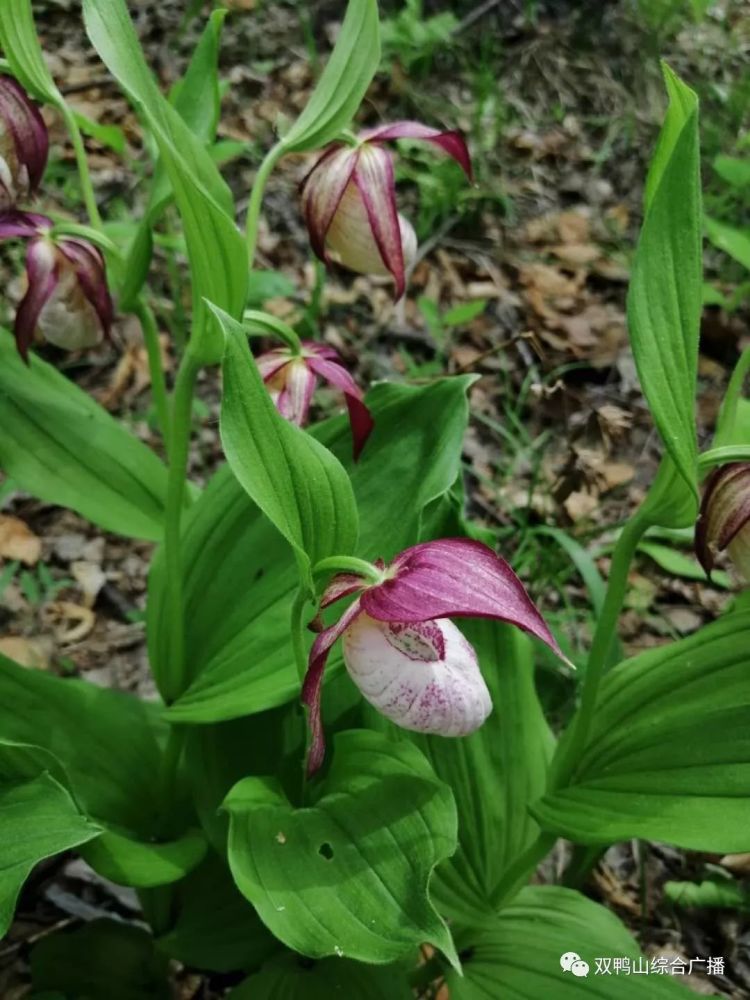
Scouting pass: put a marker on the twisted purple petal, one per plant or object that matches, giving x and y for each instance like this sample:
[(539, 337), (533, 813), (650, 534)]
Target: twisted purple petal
[(42, 271), (360, 417), (88, 263), (314, 680), (27, 129), (376, 184), (322, 191), (454, 577), (22, 224), (451, 142)]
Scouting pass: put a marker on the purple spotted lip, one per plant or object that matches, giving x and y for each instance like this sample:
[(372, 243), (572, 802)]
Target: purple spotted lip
[(402, 651)]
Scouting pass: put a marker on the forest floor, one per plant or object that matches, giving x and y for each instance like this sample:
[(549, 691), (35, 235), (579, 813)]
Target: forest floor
[(521, 278)]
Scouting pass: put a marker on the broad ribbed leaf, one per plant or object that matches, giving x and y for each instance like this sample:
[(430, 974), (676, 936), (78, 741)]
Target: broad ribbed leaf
[(349, 875), (241, 577), (104, 958), (519, 957), (108, 749), (735, 242), (668, 757), (64, 448), (300, 486), (218, 259), (196, 98), (664, 300), (38, 818), (288, 977), (495, 774), (348, 73)]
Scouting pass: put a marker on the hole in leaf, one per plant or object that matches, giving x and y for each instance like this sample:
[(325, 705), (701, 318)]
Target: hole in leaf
[(326, 851)]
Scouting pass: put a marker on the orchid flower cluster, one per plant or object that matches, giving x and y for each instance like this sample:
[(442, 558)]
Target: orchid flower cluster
[(349, 762)]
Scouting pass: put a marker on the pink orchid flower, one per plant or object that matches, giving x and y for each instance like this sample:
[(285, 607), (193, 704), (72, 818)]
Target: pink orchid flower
[(67, 301), (724, 519), (349, 201), (24, 144), (291, 379), (402, 651)]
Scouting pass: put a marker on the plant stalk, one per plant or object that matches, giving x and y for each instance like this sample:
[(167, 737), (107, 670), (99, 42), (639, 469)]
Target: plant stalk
[(180, 422), (516, 877), (728, 411), (87, 188), (156, 370), (256, 198), (573, 744)]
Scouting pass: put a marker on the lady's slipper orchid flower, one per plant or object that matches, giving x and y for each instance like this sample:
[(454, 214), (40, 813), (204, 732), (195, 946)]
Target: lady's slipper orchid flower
[(291, 379), (67, 301), (349, 201), (408, 660), (24, 144), (724, 519)]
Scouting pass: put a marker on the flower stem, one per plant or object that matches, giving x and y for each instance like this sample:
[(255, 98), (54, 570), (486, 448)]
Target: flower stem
[(298, 645), (348, 564), (182, 403), (728, 411), (158, 383), (87, 188), (256, 198), (570, 749)]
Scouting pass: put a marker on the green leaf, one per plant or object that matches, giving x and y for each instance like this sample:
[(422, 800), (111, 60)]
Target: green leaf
[(727, 453), (108, 746), (289, 977), (111, 136), (216, 249), (38, 818), (241, 579), (735, 242), (715, 893), (64, 448), (348, 73), (21, 47), (131, 862), (298, 484), (519, 957), (216, 928), (495, 774), (664, 299), (349, 875), (197, 99), (669, 749), (105, 958), (733, 170), (677, 563)]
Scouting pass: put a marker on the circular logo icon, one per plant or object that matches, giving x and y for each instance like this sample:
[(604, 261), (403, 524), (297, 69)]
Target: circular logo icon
[(567, 960)]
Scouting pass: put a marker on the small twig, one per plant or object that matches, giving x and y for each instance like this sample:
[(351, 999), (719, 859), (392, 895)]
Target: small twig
[(526, 335)]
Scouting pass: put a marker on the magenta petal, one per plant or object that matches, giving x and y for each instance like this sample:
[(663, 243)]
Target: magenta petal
[(313, 683), (342, 585), (360, 417), (23, 120), (41, 268), (321, 350), (454, 577), (90, 269), (322, 191), (22, 224), (296, 393), (376, 184), (271, 362), (451, 142)]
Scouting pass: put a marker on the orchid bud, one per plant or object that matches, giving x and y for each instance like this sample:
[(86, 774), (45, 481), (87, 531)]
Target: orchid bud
[(423, 676), (291, 379), (724, 519), (349, 202), (407, 659), (67, 302), (24, 144)]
